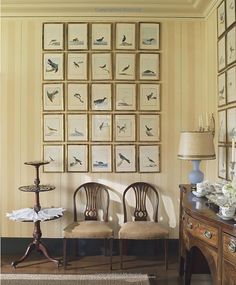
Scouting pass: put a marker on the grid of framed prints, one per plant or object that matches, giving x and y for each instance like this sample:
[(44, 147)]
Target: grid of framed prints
[(101, 96), (226, 31)]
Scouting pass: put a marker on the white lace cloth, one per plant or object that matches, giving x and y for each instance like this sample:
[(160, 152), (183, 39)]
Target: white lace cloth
[(29, 214)]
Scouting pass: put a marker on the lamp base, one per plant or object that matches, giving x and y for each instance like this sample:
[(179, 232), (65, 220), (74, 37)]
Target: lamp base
[(196, 175)]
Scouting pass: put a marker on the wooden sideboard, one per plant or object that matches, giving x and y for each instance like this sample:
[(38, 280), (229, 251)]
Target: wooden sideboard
[(207, 243)]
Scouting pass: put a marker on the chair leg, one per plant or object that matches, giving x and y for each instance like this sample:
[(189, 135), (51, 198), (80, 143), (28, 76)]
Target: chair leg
[(111, 249), (64, 252), (121, 253), (166, 253), (105, 247)]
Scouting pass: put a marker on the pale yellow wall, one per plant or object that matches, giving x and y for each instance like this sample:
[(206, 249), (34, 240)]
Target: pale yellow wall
[(187, 60)]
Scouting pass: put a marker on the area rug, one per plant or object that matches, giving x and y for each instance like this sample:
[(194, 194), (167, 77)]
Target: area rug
[(89, 279)]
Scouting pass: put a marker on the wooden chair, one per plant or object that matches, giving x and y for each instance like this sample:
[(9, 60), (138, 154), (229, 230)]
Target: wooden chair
[(141, 228), (90, 227)]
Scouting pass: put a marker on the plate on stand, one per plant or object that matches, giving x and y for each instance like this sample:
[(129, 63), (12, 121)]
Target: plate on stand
[(225, 218)]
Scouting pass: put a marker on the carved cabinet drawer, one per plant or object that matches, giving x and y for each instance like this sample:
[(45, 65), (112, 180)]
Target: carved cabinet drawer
[(201, 230), (229, 247)]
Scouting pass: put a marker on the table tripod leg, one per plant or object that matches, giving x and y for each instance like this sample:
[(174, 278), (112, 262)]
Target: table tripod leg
[(44, 250), (30, 247)]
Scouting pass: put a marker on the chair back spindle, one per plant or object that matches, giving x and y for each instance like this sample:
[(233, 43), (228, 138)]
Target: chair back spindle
[(93, 191), (140, 190)]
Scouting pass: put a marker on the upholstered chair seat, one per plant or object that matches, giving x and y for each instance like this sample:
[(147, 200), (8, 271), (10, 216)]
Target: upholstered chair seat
[(142, 230), (88, 229)]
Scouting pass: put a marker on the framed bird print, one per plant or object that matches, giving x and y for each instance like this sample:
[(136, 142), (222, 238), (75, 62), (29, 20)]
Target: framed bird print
[(77, 158), (77, 127), (149, 158), (53, 127), (231, 84), (125, 158), (221, 18), (125, 127), (101, 36), (149, 66), (231, 124), (221, 89), (230, 12), (231, 166), (55, 155), (101, 66), (101, 97), (231, 46), (221, 54), (101, 127), (77, 36), (77, 68), (101, 158), (53, 97), (222, 126), (125, 96), (149, 37), (53, 66), (125, 66), (77, 96), (149, 97), (125, 36), (149, 127), (53, 36), (222, 168)]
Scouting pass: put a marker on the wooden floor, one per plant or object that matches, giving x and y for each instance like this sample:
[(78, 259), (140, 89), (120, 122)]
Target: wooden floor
[(100, 264)]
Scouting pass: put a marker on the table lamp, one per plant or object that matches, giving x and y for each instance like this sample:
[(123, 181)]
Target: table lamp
[(196, 146)]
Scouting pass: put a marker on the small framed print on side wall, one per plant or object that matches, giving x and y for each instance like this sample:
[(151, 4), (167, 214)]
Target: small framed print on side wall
[(231, 124), (222, 126), (221, 89), (221, 54), (230, 13), (221, 18), (55, 155), (231, 84), (149, 158), (222, 171)]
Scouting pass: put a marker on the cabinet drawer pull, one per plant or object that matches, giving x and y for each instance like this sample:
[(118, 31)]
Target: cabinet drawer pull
[(189, 226), (232, 246), (208, 234)]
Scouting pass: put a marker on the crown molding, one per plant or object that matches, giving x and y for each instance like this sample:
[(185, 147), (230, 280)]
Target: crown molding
[(131, 8)]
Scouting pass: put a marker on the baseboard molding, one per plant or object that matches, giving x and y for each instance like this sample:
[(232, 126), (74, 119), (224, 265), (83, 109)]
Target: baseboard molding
[(11, 246)]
